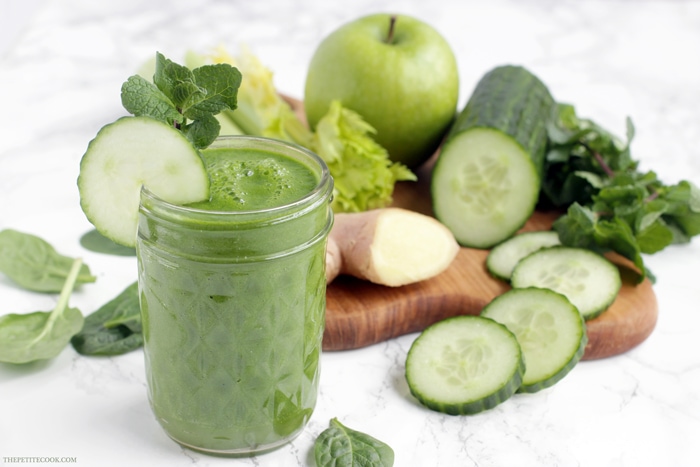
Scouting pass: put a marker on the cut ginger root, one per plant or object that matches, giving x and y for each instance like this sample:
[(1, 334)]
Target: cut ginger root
[(389, 246)]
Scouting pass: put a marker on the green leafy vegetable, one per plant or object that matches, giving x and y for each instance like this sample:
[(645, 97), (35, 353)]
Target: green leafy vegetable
[(93, 240), (142, 97), (581, 157), (32, 263), (114, 329), (363, 174), (611, 205), (261, 110), (187, 99), (339, 446), (41, 335)]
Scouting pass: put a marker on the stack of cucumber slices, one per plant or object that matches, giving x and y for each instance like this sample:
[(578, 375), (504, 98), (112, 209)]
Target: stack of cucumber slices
[(525, 340)]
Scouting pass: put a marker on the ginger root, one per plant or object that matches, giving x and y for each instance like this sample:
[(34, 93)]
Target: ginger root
[(389, 246)]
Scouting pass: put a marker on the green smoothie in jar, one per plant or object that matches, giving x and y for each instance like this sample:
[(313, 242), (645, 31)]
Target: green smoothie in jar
[(233, 298)]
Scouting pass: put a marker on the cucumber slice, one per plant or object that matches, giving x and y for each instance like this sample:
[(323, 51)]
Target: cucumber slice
[(128, 154), (486, 180), (484, 187), (550, 330), (464, 365), (587, 279), (503, 257)]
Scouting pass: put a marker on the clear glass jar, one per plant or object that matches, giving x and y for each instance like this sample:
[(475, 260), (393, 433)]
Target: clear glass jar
[(233, 306)]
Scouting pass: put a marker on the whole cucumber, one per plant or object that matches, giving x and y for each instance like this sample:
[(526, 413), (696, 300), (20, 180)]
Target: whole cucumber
[(486, 181)]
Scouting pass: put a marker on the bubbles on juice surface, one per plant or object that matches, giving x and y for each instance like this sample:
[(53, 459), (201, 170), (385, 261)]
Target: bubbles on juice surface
[(250, 184)]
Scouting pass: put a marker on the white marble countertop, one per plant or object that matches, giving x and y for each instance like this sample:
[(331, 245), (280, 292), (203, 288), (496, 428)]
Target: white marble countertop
[(61, 68)]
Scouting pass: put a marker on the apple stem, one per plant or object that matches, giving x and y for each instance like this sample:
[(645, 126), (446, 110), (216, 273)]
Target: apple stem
[(392, 24)]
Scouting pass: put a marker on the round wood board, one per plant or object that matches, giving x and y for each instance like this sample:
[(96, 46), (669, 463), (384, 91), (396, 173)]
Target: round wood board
[(359, 313)]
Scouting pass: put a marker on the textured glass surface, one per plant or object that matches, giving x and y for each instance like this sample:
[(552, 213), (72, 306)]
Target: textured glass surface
[(247, 369), (233, 306)]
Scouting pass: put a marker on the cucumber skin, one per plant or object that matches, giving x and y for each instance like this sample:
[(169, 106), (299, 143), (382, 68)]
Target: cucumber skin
[(495, 269), (551, 381), (587, 314), (513, 101), (472, 407), (575, 357)]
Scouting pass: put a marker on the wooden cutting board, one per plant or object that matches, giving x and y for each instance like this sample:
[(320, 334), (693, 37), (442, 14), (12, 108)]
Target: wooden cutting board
[(359, 313)]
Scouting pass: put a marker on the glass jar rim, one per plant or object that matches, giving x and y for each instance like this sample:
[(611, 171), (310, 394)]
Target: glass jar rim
[(323, 186)]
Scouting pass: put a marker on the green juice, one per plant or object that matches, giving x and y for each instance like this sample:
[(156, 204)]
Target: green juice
[(233, 298), (250, 179)]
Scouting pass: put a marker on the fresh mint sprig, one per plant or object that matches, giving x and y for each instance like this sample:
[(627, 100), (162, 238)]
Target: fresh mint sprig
[(611, 205), (186, 99)]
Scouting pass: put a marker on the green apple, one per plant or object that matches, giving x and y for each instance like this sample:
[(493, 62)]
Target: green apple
[(397, 72)]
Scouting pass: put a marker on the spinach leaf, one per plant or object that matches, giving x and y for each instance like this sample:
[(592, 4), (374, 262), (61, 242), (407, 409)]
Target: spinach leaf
[(114, 329), (41, 335), (34, 264), (339, 446), (94, 241)]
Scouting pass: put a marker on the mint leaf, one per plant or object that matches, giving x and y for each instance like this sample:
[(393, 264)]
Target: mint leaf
[(186, 94), (142, 98), (221, 83), (581, 227), (611, 205), (339, 446), (684, 210), (616, 235), (654, 237), (204, 91), (577, 227), (202, 132), (175, 81), (186, 99), (693, 196)]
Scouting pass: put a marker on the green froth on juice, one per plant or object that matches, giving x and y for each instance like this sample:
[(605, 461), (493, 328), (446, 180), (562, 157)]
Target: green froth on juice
[(233, 299), (250, 179)]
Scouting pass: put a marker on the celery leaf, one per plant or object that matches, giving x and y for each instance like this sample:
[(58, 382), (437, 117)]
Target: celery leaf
[(363, 174)]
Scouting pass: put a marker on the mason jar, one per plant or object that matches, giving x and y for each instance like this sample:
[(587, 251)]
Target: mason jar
[(233, 299)]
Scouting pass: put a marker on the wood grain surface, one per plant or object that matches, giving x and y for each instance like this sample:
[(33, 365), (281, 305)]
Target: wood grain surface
[(359, 313)]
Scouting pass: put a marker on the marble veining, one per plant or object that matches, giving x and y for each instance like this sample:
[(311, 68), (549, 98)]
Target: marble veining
[(59, 83)]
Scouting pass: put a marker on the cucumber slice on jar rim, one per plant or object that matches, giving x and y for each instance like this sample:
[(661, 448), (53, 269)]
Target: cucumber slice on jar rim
[(130, 153), (550, 330), (589, 280), (464, 365)]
